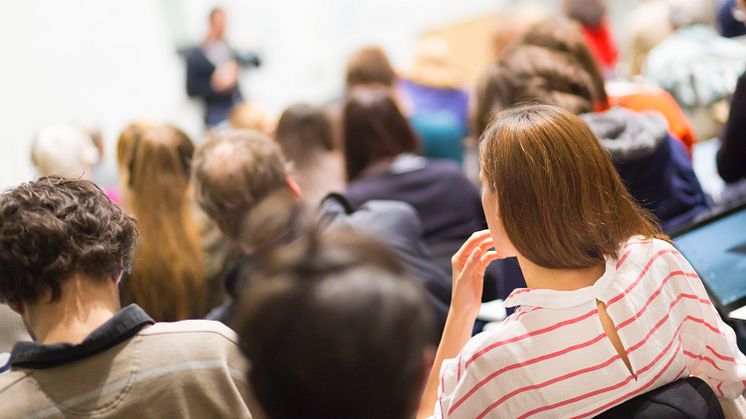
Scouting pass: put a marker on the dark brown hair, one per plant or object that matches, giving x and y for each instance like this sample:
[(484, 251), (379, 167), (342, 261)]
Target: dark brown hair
[(563, 35), (373, 129), (233, 171), (331, 325), (53, 228), (560, 199), (167, 278), (302, 131), (532, 74), (369, 65)]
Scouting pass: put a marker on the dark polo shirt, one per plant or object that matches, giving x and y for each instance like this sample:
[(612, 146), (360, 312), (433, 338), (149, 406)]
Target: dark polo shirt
[(125, 324)]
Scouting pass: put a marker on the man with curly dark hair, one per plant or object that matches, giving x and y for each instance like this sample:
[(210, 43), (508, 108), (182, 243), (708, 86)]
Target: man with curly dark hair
[(64, 247)]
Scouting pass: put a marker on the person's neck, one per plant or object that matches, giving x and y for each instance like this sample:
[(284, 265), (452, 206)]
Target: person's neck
[(85, 305), (559, 279)]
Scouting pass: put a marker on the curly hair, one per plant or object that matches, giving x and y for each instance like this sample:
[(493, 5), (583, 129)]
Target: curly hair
[(54, 227)]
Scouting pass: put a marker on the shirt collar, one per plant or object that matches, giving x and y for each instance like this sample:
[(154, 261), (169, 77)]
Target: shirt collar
[(125, 324), (552, 299)]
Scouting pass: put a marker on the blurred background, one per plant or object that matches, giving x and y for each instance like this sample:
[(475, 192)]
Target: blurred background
[(113, 62)]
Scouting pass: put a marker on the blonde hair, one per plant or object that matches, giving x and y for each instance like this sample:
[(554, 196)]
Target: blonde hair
[(167, 277), (567, 208), (248, 115)]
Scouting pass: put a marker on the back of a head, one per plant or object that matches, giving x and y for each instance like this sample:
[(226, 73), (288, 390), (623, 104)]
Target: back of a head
[(533, 74), (333, 328), (250, 116), (369, 65), (569, 208), (590, 13), (691, 12), (55, 227), (64, 150), (302, 131), (565, 36), (374, 129), (234, 170), (167, 279)]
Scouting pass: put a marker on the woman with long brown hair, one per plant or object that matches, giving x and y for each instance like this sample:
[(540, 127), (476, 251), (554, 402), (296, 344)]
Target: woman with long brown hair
[(167, 278), (611, 309)]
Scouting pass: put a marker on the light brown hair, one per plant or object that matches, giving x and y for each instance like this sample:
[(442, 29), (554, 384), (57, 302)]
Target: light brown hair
[(234, 171), (560, 199), (369, 65), (167, 277), (303, 131)]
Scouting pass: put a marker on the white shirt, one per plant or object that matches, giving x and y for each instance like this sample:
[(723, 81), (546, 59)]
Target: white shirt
[(551, 358)]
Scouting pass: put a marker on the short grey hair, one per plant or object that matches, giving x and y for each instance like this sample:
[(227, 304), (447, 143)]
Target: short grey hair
[(234, 171)]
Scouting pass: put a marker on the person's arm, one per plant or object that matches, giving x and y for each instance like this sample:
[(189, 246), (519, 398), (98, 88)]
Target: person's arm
[(469, 264), (731, 158), (198, 74)]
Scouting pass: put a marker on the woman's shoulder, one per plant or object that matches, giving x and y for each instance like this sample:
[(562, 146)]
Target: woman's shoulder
[(481, 345), (639, 251)]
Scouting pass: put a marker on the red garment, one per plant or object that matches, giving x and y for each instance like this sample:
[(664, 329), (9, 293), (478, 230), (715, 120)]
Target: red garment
[(602, 45), (643, 97)]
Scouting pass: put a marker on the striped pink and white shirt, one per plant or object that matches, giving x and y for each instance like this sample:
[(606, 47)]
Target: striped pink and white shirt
[(551, 358)]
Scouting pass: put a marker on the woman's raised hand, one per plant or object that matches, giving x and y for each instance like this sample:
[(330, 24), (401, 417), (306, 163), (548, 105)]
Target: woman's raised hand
[(469, 264)]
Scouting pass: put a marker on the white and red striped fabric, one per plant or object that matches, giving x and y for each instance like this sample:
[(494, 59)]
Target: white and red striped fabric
[(551, 357)]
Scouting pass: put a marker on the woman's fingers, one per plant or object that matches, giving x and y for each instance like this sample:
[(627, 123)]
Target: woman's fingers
[(485, 260), (481, 240)]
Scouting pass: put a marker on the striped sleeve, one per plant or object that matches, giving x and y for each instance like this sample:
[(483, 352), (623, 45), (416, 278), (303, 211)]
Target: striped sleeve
[(716, 357), (450, 375)]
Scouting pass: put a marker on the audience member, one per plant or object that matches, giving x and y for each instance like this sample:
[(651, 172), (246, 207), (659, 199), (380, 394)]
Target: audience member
[(697, 66), (563, 35), (64, 150), (655, 167), (249, 115), (437, 103), (332, 327), (213, 70), (611, 310), (731, 158), (235, 171), (380, 151), (167, 278), (369, 65), (645, 26), (591, 14), (306, 136), (64, 248), (731, 17), (104, 173)]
